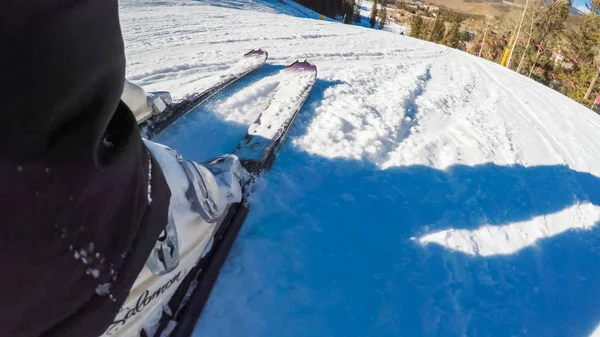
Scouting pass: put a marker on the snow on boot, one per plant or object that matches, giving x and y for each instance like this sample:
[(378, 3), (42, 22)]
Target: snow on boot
[(200, 196)]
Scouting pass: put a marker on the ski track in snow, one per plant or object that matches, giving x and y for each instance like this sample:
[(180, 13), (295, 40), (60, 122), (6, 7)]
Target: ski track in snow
[(422, 192)]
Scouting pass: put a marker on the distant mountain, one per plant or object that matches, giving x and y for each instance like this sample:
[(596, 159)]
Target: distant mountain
[(579, 10)]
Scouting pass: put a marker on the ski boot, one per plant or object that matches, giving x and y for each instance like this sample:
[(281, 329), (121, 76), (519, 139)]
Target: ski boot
[(200, 197), (144, 105)]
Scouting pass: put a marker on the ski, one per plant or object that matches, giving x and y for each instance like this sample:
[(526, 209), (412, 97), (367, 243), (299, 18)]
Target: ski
[(157, 123), (257, 151)]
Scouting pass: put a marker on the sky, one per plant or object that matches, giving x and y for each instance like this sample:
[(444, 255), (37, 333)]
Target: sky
[(580, 4)]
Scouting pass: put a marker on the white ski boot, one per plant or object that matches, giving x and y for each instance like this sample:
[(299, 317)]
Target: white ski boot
[(200, 197), (142, 104)]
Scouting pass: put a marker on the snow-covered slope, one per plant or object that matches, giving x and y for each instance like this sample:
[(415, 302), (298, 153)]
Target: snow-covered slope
[(423, 192)]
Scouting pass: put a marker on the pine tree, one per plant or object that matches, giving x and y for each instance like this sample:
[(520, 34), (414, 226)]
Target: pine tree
[(356, 15), (586, 38), (585, 42), (348, 10), (331, 8), (550, 25), (416, 26), (373, 19), (594, 7), (437, 33), (452, 39), (383, 14)]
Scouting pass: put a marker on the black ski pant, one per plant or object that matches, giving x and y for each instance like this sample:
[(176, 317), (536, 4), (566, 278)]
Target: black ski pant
[(81, 200)]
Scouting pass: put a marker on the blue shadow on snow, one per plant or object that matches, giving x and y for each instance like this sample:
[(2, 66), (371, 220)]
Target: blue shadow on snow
[(342, 232)]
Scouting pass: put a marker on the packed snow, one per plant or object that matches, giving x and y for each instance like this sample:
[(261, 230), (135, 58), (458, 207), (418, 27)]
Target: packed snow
[(422, 192), (287, 98)]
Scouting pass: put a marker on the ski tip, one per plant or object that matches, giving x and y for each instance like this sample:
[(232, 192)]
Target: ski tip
[(303, 66), (257, 52)]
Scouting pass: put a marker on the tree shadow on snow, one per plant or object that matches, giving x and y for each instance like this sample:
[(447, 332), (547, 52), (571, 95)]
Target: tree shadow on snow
[(238, 4), (274, 6)]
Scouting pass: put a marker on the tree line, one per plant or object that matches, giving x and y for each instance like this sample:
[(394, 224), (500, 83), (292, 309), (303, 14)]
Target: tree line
[(378, 15), (445, 28), (346, 9), (349, 10)]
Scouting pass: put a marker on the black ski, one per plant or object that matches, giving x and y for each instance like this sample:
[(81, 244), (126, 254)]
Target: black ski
[(257, 151), (159, 122)]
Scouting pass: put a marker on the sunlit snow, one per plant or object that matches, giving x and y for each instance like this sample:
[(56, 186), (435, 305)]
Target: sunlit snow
[(491, 240)]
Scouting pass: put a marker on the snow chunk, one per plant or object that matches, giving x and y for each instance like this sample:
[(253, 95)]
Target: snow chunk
[(149, 179), (95, 272), (103, 289)]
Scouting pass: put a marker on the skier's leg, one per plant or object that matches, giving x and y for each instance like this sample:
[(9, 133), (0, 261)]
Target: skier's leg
[(77, 222), (200, 194), (83, 201)]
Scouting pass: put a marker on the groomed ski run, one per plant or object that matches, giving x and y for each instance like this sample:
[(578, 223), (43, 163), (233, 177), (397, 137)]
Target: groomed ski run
[(421, 192)]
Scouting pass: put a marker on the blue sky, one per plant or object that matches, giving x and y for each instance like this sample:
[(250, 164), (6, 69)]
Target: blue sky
[(579, 3)]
